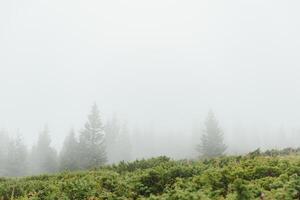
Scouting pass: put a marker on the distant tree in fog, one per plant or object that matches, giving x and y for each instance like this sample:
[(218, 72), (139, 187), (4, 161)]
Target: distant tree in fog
[(69, 153), (112, 131), (123, 144), (91, 141), (43, 156), (4, 143), (117, 141), (16, 160), (212, 144)]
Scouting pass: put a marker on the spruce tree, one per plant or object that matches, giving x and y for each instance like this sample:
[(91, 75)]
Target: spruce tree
[(4, 143), (123, 144), (212, 140), (69, 153), (91, 141), (43, 156), (16, 160), (112, 131)]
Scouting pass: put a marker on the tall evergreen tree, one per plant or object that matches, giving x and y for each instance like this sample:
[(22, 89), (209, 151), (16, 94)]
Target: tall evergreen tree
[(123, 144), (16, 160), (43, 156), (112, 131), (4, 143), (91, 141), (69, 153), (117, 140), (212, 140)]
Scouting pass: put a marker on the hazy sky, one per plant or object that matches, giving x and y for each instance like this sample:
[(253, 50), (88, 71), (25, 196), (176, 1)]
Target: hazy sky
[(153, 62)]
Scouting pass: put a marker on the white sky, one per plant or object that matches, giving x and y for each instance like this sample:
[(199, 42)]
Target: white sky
[(159, 62)]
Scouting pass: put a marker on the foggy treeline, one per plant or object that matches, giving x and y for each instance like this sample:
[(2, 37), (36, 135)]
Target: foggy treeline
[(99, 143), (93, 146)]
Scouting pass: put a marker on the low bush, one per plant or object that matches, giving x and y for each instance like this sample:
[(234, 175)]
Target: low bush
[(254, 176)]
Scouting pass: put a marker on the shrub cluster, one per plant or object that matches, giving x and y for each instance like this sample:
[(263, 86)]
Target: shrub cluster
[(239, 177)]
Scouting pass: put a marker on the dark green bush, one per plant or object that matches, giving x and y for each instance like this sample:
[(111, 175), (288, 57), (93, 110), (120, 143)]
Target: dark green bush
[(227, 178)]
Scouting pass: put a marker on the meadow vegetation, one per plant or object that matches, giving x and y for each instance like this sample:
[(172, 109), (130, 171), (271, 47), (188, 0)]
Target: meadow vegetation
[(268, 175)]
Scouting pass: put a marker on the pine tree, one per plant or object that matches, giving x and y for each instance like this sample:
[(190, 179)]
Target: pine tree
[(69, 153), (16, 160), (43, 156), (123, 144), (212, 140), (112, 131), (4, 143), (91, 141)]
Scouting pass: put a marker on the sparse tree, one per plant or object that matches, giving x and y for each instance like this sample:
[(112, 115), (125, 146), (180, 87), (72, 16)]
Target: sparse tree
[(212, 140), (69, 153), (91, 141)]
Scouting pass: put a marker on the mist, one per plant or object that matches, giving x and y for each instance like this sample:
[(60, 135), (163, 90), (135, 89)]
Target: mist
[(157, 66)]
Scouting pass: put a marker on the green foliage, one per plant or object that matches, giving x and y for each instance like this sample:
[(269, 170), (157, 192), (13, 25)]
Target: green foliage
[(242, 191), (225, 178)]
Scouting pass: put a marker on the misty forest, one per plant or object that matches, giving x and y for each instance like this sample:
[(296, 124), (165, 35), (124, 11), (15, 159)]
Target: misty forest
[(149, 100), (97, 144)]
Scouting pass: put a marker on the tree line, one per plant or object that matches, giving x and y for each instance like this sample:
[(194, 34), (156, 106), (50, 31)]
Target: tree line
[(95, 145)]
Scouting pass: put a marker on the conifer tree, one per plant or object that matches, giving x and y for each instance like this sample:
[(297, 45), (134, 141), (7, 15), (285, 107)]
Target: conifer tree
[(43, 156), (212, 140), (123, 144), (16, 160), (112, 131), (91, 141), (4, 143), (69, 153)]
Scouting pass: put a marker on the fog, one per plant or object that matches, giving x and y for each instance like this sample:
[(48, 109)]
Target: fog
[(158, 65)]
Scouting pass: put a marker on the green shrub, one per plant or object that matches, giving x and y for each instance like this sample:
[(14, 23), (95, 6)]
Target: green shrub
[(224, 178)]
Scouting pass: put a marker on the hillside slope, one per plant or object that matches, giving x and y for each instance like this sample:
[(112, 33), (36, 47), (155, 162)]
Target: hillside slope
[(243, 177)]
